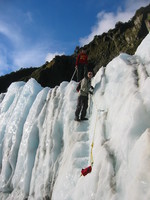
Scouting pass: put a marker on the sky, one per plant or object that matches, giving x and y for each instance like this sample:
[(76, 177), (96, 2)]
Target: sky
[(34, 31), (43, 149)]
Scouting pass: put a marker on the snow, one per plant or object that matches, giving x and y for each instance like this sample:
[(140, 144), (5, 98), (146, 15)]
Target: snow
[(42, 148)]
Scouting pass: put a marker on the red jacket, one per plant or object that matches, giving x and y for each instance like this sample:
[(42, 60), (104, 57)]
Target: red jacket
[(81, 59)]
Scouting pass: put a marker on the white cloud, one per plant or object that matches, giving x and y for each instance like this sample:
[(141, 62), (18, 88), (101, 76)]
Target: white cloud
[(50, 56), (33, 57), (133, 5), (11, 32), (28, 58), (107, 21), (20, 48), (28, 17), (4, 66), (23, 53)]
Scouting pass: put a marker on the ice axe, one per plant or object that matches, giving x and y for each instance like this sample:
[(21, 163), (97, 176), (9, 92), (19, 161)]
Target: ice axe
[(73, 74)]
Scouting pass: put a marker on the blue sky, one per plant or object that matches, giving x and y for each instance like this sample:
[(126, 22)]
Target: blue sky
[(34, 31)]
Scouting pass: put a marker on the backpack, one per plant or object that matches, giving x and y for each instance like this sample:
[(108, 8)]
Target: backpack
[(78, 86)]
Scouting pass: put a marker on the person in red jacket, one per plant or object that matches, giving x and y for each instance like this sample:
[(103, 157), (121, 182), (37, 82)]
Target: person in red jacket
[(81, 65)]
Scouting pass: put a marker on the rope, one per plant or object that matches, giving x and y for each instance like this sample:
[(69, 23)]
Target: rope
[(92, 145)]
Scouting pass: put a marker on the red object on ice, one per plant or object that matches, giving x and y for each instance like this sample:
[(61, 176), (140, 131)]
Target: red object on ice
[(86, 171)]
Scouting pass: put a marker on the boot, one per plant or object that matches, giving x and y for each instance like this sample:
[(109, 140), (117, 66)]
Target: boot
[(76, 118), (83, 118)]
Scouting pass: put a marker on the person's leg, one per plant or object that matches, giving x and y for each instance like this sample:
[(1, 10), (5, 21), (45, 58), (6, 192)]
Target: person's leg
[(84, 107), (85, 70), (80, 72), (78, 109)]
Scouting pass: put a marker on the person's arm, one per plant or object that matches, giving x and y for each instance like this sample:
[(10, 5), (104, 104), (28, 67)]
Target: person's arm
[(86, 61)]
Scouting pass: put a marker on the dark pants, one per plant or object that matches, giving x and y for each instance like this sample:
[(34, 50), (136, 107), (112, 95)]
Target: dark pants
[(81, 72), (82, 106)]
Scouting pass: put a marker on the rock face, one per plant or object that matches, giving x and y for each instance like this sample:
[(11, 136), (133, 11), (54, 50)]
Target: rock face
[(54, 72), (125, 37)]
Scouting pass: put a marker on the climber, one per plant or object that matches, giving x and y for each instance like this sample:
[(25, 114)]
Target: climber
[(81, 64), (84, 89)]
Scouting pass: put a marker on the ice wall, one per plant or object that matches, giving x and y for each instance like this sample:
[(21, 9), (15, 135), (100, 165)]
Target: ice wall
[(42, 148)]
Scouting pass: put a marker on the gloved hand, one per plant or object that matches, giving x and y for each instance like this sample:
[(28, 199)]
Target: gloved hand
[(91, 90), (92, 87)]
